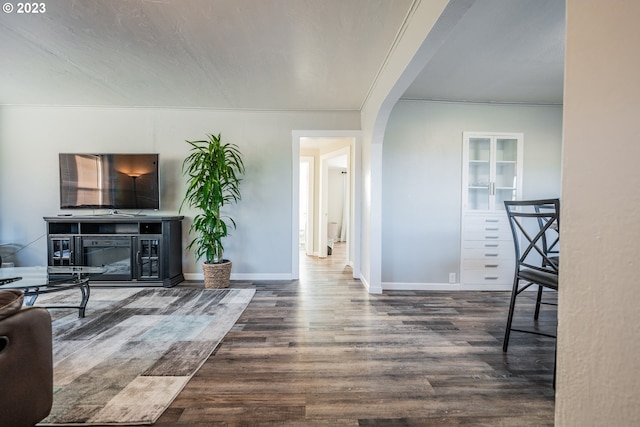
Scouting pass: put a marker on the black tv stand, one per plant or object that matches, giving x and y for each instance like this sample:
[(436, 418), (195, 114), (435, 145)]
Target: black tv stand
[(134, 249)]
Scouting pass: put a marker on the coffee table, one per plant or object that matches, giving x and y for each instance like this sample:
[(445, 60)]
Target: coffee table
[(35, 281)]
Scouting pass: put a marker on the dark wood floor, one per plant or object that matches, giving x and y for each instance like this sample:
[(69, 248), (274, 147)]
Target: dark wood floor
[(321, 351)]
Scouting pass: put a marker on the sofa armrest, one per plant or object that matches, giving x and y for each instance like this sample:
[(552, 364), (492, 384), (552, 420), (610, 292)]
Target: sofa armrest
[(26, 367)]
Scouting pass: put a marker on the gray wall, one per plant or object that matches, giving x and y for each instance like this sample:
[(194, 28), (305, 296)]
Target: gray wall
[(32, 137), (421, 179)]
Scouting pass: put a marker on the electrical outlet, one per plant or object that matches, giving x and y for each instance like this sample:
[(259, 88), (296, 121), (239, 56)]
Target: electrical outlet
[(452, 277)]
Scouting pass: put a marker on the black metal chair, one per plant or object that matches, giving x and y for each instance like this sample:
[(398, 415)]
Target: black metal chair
[(534, 225)]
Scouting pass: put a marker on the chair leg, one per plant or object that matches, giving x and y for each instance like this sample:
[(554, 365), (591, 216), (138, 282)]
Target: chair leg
[(538, 300), (555, 363), (512, 306)]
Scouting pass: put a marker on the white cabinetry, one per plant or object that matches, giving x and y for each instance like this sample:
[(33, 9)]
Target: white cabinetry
[(492, 173), (487, 250)]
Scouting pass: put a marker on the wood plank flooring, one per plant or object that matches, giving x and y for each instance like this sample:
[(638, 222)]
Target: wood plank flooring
[(321, 351)]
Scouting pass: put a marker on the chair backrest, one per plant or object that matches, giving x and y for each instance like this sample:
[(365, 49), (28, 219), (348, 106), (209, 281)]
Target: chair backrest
[(551, 237), (535, 225)]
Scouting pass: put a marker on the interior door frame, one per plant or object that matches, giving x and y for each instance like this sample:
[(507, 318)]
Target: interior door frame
[(309, 229), (355, 192)]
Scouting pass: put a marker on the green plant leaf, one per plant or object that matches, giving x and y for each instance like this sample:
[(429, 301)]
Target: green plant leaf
[(213, 172)]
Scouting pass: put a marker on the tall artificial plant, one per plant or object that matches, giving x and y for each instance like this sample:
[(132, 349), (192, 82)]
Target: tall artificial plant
[(213, 172)]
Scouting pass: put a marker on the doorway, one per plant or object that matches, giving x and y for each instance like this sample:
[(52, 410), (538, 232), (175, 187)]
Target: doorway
[(326, 191)]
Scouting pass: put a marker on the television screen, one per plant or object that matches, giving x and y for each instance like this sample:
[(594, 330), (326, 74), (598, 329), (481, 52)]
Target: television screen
[(109, 181)]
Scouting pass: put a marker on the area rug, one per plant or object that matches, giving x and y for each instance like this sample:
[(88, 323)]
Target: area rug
[(135, 350)]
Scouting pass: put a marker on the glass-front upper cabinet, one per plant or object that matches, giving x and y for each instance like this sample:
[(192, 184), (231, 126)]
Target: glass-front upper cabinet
[(492, 170)]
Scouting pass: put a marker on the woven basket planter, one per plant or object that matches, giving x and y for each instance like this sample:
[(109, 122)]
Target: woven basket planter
[(217, 276)]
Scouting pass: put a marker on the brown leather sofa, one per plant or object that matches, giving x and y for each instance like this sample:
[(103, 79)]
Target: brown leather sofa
[(26, 362)]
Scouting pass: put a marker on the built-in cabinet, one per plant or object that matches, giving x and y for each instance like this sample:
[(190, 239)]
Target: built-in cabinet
[(141, 249), (492, 173)]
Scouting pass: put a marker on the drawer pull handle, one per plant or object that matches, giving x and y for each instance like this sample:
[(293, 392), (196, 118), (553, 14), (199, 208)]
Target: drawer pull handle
[(492, 245), (490, 254), (491, 278), (490, 237), (491, 265), (491, 229), (491, 220)]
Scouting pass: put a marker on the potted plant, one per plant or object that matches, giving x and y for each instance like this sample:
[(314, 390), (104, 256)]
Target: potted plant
[(212, 170)]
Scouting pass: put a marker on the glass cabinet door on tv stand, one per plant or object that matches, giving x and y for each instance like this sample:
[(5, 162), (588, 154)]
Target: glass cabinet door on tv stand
[(148, 257), (62, 251)]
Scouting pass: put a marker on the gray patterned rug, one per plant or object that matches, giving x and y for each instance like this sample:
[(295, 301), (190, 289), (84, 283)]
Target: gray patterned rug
[(135, 350)]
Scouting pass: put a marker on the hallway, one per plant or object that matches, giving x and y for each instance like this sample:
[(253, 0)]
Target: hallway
[(312, 266)]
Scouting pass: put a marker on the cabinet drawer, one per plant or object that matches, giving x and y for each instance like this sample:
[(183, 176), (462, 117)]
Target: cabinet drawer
[(489, 264), (488, 235), (488, 253), (481, 221), (486, 227), (488, 244), (487, 276)]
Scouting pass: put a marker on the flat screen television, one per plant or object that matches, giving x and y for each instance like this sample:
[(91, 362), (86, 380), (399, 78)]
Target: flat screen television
[(109, 181)]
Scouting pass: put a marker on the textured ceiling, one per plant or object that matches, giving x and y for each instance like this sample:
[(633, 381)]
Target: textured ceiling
[(269, 54), (263, 54)]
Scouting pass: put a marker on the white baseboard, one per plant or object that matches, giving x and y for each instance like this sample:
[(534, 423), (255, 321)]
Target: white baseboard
[(261, 276), (243, 276), (386, 286), (398, 286), (367, 286)]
